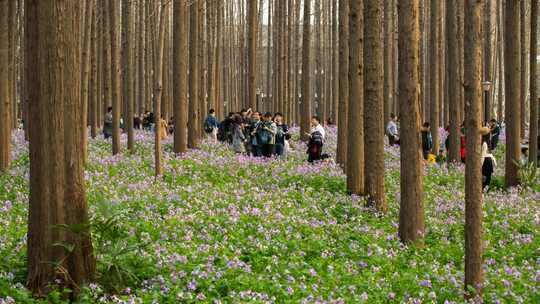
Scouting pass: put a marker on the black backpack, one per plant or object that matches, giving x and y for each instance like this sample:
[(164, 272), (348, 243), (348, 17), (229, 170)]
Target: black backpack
[(316, 139), (208, 127)]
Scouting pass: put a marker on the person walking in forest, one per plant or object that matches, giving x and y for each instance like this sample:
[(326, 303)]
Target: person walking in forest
[(495, 131), (164, 128), (281, 135), (427, 141), (211, 126), (254, 148), (226, 128), (238, 136), (392, 130), (488, 165), (108, 124), (266, 135), (316, 140)]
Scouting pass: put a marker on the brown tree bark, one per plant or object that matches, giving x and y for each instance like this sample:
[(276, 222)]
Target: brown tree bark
[(180, 87), (141, 36), (435, 62), (512, 72), (56, 255), (355, 146), (5, 112), (193, 121), (523, 64), (533, 86), (388, 46), (116, 73), (374, 104), (252, 53), (453, 81), (473, 172), (85, 83), (343, 82), (306, 72), (94, 78), (128, 88), (411, 211), (158, 87)]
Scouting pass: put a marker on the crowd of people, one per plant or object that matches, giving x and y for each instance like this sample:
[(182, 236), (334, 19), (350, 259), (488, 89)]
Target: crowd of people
[(261, 135), (267, 135)]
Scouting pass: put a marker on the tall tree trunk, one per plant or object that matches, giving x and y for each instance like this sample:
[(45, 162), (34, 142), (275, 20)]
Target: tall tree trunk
[(180, 87), (158, 86), (473, 172), (57, 193), (512, 72), (5, 113), (142, 58), (193, 121), (488, 56), (127, 71), (318, 65), (94, 78), (355, 146), (434, 74), (86, 51), (343, 82), (306, 71), (523, 64), (453, 80), (374, 104), (411, 211), (533, 85), (335, 62), (116, 73), (388, 43), (252, 53)]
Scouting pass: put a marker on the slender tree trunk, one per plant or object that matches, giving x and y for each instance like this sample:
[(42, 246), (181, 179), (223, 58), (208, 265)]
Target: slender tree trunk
[(335, 63), (306, 71), (116, 73), (5, 113), (411, 211), (473, 173), (343, 82), (252, 54), (89, 11), (180, 87), (57, 193), (374, 104), (453, 80), (512, 72), (388, 77), (488, 56), (355, 146), (94, 78), (193, 125), (141, 33), (434, 74), (127, 71), (533, 84), (158, 87), (523, 64)]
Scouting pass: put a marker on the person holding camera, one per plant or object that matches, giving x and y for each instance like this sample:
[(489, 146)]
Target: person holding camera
[(282, 134), (266, 135)]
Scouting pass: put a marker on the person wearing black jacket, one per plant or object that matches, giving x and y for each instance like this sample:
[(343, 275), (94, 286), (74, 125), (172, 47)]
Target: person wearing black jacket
[(281, 135)]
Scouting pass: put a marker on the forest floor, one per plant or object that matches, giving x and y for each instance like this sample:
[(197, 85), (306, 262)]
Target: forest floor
[(222, 228)]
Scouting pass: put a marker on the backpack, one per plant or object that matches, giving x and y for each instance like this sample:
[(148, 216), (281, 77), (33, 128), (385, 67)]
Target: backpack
[(208, 127), (316, 139)]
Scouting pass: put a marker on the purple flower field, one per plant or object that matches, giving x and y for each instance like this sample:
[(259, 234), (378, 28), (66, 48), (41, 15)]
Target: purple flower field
[(223, 228)]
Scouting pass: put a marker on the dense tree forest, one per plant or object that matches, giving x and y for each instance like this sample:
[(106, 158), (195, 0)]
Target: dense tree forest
[(107, 103)]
